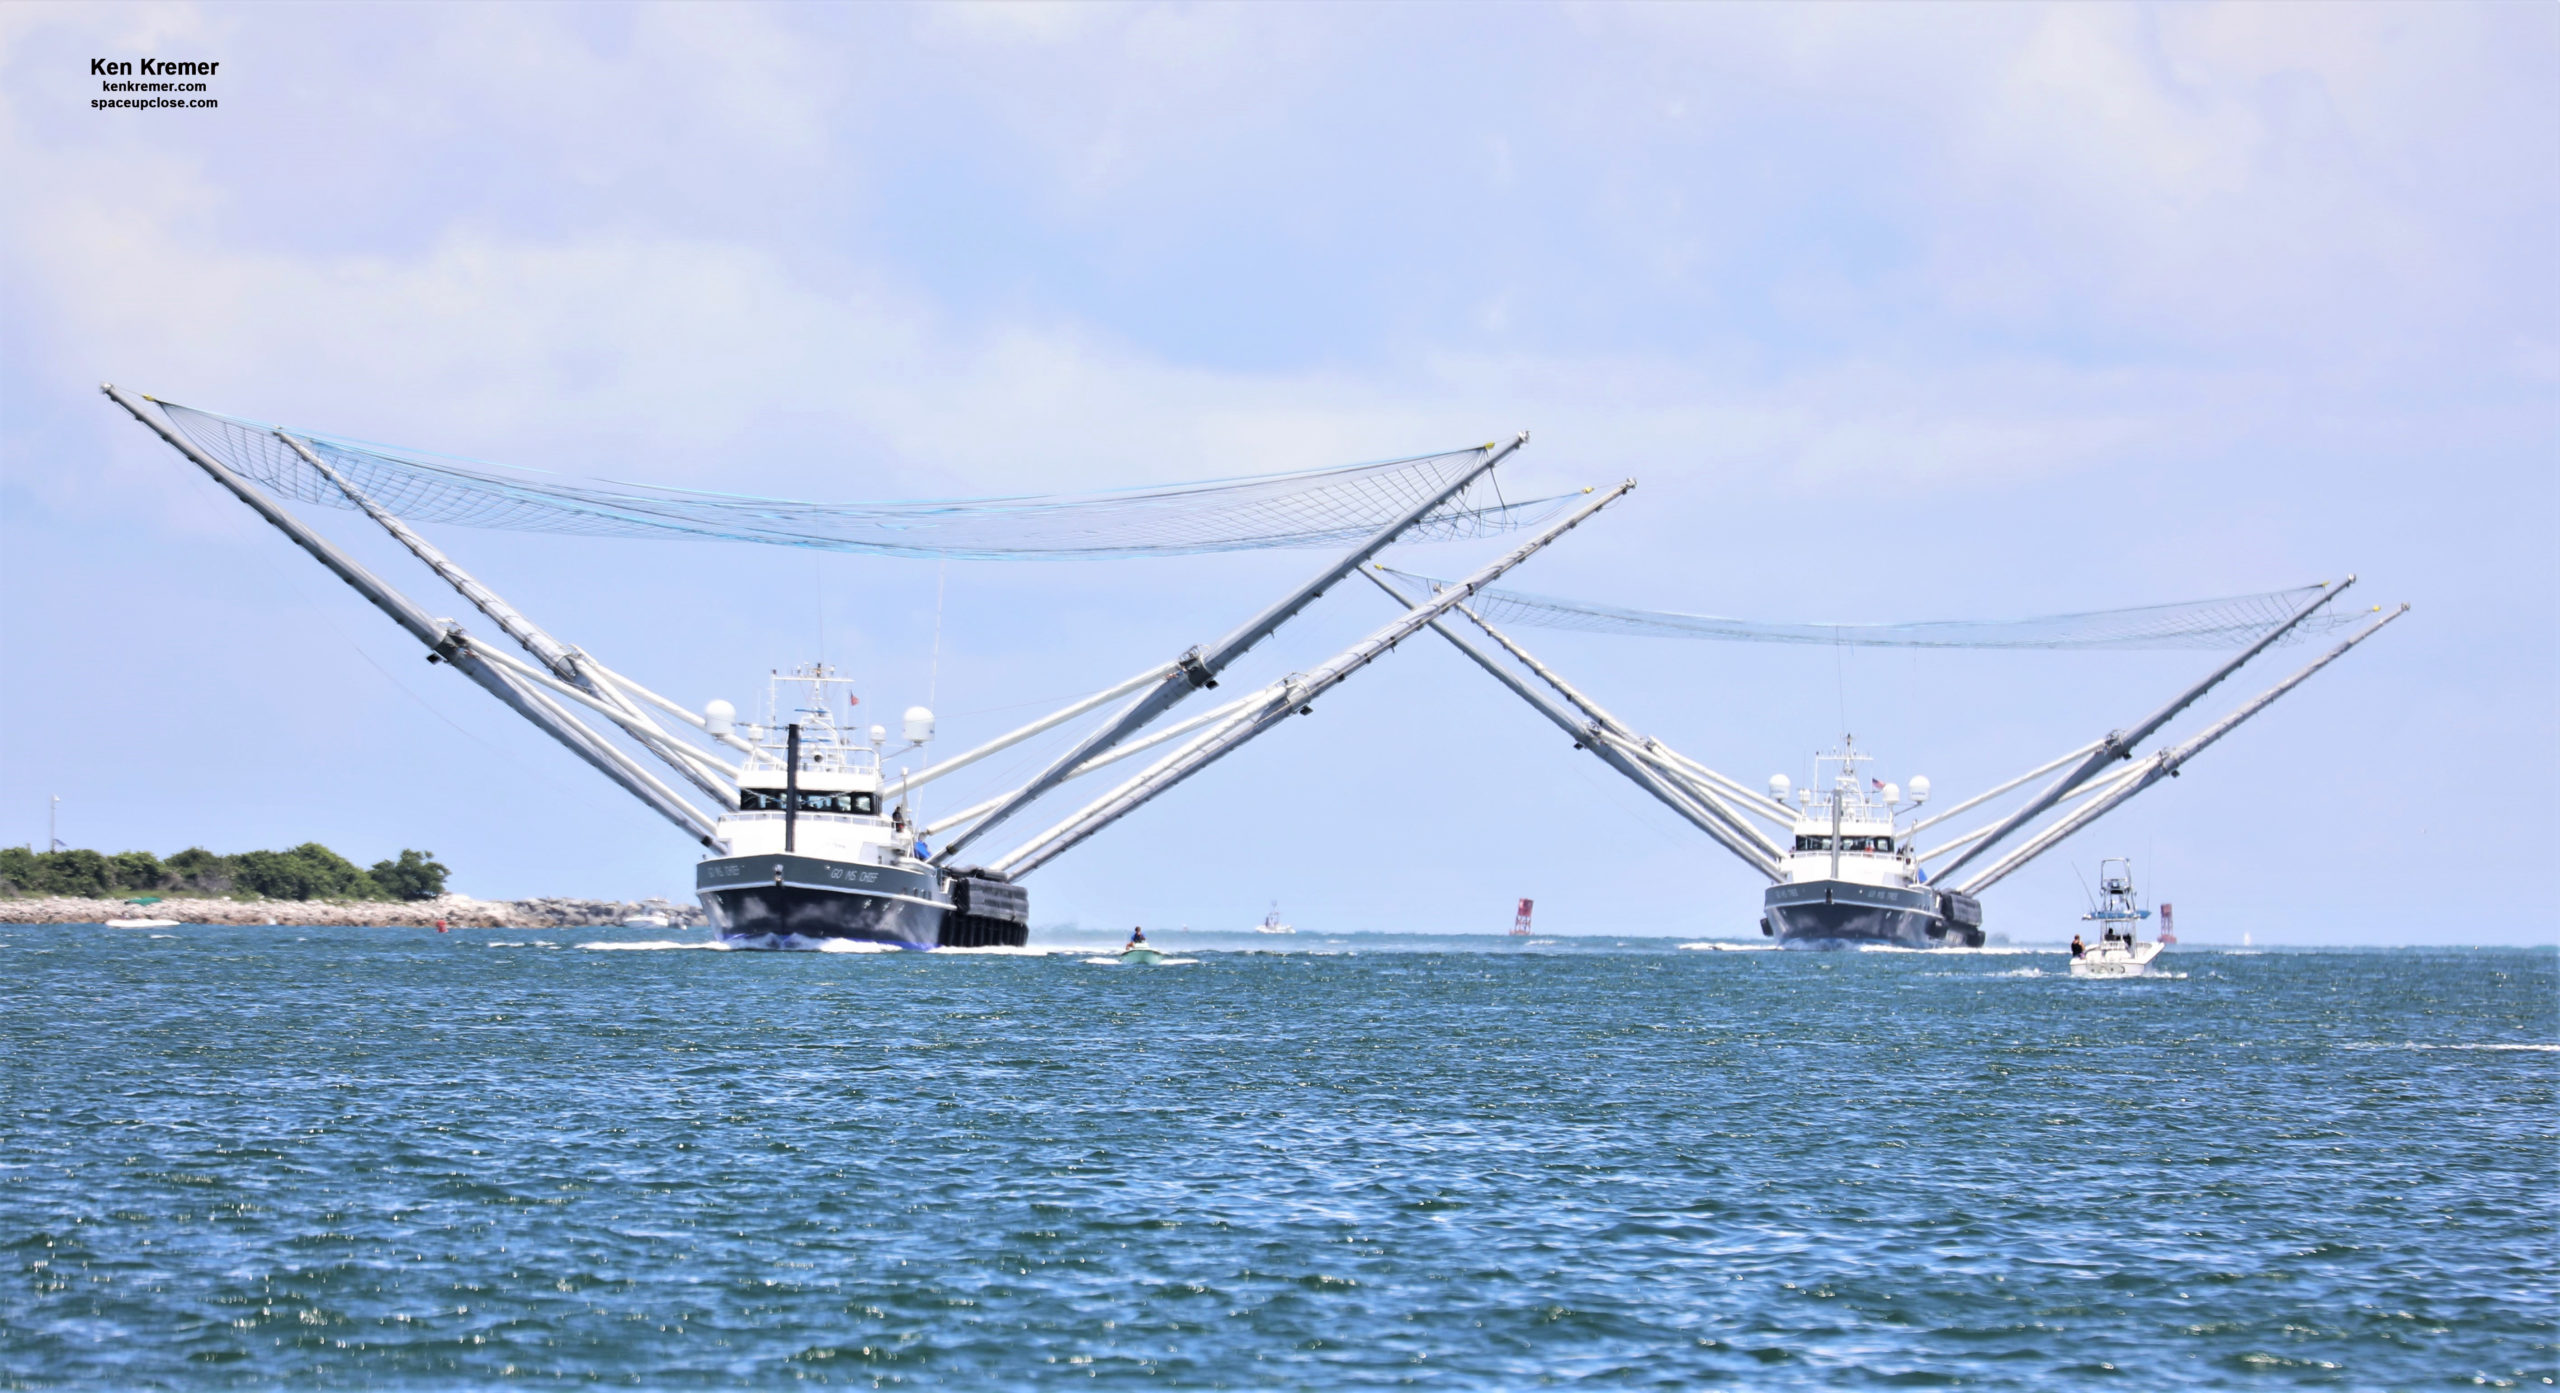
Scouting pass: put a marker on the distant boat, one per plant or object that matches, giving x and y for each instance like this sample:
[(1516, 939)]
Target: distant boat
[(142, 902), (1140, 955), (1271, 922), (2119, 951)]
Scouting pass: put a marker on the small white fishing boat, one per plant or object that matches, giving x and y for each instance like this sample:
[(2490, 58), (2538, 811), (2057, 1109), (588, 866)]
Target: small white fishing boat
[(1271, 922), (142, 923), (2119, 951)]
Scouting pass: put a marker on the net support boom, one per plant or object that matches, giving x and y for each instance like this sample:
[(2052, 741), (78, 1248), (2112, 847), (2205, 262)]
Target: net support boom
[(2120, 744), (2164, 764), (1197, 668), (1710, 791), (1588, 734), (565, 670), (446, 640), (1290, 696)]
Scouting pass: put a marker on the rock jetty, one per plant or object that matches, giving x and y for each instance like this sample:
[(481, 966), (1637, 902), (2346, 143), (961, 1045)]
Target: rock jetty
[(456, 911)]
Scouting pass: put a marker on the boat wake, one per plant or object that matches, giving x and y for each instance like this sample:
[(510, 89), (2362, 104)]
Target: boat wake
[(1712, 946), (2502, 1049), (1160, 962), (793, 943)]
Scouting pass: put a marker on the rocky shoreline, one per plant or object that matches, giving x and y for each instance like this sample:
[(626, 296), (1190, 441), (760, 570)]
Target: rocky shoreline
[(455, 911)]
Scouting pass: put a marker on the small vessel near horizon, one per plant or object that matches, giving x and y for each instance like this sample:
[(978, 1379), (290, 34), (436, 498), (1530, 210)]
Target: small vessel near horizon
[(2119, 951), (143, 919), (1271, 922), (653, 914)]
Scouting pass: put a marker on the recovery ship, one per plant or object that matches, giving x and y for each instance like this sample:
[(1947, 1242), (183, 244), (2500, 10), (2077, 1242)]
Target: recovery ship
[(807, 836)]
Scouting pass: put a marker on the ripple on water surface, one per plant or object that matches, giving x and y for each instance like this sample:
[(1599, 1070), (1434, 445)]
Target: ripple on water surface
[(234, 1158)]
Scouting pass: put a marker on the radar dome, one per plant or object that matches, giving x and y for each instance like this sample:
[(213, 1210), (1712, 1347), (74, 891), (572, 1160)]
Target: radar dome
[(1919, 788), (1892, 794), (1779, 786), (879, 735), (719, 717), (919, 725)]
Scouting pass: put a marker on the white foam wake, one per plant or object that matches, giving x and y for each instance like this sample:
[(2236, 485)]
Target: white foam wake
[(796, 944)]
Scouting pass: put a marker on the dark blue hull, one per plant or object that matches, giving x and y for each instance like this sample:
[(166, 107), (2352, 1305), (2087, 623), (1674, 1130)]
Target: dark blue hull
[(1840, 914), (767, 901)]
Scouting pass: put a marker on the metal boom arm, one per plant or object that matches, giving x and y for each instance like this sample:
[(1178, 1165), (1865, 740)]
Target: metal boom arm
[(1610, 730), (2165, 764), (1588, 735), (1196, 669), (447, 640), (2120, 744), (1290, 695), (569, 672)]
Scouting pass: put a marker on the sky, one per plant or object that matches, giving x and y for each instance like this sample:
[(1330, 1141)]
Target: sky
[(1895, 312)]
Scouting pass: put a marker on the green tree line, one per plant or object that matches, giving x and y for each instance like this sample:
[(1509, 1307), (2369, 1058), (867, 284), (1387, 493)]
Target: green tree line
[(306, 872)]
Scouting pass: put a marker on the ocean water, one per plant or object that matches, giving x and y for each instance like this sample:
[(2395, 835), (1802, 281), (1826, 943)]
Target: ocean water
[(258, 1158)]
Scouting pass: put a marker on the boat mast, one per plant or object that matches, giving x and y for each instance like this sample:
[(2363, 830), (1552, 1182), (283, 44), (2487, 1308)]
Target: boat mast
[(1835, 829)]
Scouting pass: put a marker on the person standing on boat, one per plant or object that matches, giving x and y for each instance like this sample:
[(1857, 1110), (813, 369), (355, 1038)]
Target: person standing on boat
[(2078, 949), (1137, 938)]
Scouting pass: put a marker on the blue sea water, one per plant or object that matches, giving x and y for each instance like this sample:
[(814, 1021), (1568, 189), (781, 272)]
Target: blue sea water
[(261, 1157)]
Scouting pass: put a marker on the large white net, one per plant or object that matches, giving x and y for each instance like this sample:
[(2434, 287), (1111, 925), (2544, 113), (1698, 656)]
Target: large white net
[(1310, 508), (2230, 622)]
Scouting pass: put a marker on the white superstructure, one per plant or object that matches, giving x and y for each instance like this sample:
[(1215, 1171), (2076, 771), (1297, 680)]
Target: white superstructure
[(841, 815), (1845, 827)]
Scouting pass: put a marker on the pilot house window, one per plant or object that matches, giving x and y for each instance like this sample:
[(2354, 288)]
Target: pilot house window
[(770, 800), (1882, 846)]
